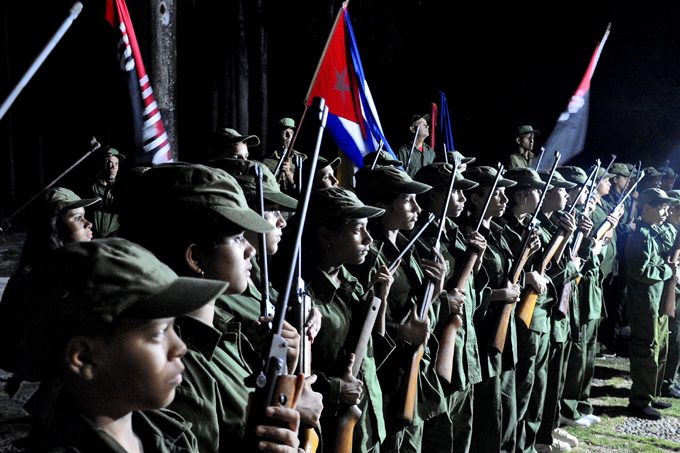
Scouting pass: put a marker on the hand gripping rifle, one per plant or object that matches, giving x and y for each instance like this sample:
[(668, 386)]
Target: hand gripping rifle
[(565, 294), (274, 386), (607, 225), (350, 415), (408, 408), (447, 342), (530, 296)]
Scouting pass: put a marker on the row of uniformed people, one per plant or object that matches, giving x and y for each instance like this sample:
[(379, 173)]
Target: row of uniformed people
[(196, 219)]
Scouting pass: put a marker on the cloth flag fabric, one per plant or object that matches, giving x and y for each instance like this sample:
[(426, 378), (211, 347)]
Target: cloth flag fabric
[(569, 135), (445, 122), (150, 139), (352, 117)]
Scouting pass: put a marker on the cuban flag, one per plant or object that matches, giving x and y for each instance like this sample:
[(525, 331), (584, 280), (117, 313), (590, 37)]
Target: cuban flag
[(569, 135), (339, 78), (150, 139)]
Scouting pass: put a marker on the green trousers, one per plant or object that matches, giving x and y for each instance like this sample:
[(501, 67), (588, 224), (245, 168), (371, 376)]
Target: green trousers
[(487, 423), (580, 371), (450, 432), (673, 358), (648, 349), (509, 410), (531, 379), (557, 371)]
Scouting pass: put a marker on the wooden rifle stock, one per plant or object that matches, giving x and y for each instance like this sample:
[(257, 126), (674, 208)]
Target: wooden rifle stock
[(530, 296), (350, 415)]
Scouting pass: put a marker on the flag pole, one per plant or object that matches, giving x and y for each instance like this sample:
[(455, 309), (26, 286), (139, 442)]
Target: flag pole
[(325, 49), (40, 59)]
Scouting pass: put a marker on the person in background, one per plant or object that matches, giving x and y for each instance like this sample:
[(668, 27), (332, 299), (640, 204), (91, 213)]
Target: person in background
[(105, 215), (524, 156), (422, 154)]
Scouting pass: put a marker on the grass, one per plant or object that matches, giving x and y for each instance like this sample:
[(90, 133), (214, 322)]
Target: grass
[(610, 398)]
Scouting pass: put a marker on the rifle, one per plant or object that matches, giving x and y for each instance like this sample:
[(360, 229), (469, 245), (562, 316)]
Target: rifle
[(447, 342), (576, 244), (377, 153), (288, 151), (413, 146), (408, 408), (607, 225), (266, 306), (6, 223), (668, 295), (530, 296), (540, 158), (350, 415), (73, 13), (274, 386), (565, 294)]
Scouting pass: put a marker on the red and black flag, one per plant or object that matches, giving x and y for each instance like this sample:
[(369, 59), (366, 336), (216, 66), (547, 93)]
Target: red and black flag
[(569, 135), (150, 138)]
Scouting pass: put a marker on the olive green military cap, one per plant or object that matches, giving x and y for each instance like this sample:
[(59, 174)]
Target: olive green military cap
[(418, 116), (601, 173), (438, 175), (244, 172), (451, 155), (557, 181), (199, 187), (526, 178), (338, 203), (675, 195), (287, 123), (485, 176), (322, 162), (228, 136), (526, 129), (99, 282), (114, 153), (59, 199), (669, 173), (381, 181), (620, 169), (384, 158), (654, 197), (573, 173), (651, 172)]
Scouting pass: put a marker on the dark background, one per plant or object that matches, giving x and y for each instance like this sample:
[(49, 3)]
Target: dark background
[(501, 64)]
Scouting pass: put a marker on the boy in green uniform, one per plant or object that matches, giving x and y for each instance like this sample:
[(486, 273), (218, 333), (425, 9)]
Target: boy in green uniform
[(108, 353), (647, 270), (670, 385)]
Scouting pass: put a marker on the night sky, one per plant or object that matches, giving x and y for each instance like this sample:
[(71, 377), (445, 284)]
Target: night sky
[(501, 64)]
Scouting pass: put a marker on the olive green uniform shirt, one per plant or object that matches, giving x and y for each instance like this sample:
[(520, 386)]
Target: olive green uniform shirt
[(517, 160), (104, 215), (419, 158)]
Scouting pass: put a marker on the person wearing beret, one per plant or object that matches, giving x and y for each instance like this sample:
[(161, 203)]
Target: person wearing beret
[(422, 153), (524, 157), (647, 270)]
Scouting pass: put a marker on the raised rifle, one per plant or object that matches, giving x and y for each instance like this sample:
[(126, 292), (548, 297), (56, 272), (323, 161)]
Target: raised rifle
[(274, 386), (408, 407), (633, 205), (530, 296), (447, 342), (540, 158), (413, 146), (578, 239), (266, 306), (607, 225), (350, 415)]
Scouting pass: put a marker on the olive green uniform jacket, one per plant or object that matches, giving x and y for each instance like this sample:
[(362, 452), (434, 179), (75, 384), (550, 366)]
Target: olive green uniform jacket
[(419, 158), (342, 313), (213, 395), (104, 215)]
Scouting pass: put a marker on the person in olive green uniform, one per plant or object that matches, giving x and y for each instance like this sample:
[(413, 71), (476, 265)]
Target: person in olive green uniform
[(286, 176), (668, 178), (564, 269), (105, 215), (670, 386), (524, 157), (416, 157), (533, 341), (209, 214), (395, 191), (466, 359), (336, 235), (647, 270), (109, 356), (495, 414)]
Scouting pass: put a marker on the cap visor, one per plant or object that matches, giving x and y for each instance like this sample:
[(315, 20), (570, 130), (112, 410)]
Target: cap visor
[(503, 182), (413, 187), (251, 140), (335, 163), (465, 184), (564, 184), (82, 203), (180, 297), (468, 160), (246, 219), (367, 212), (281, 199)]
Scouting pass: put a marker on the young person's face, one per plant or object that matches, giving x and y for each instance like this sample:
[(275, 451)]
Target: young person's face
[(239, 151), (229, 261), (582, 195), (674, 215), (325, 178), (139, 366), (456, 203), (527, 200), (273, 237), (620, 182), (402, 213), (604, 187), (77, 227), (654, 214), (111, 166), (526, 141), (555, 200), (498, 203), (350, 242)]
